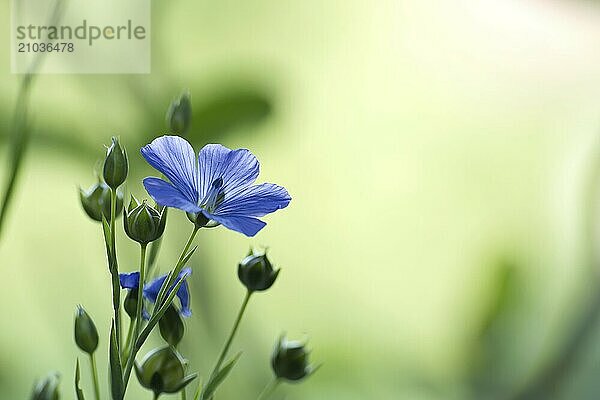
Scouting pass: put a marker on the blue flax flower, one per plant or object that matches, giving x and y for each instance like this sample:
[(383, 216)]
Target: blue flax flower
[(151, 289), (217, 184)]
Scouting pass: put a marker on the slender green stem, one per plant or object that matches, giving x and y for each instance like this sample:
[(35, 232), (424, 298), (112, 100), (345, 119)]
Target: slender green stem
[(154, 248), (183, 394), (129, 340), (227, 345), (153, 255), (269, 389), (95, 376), (137, 322), (155, 396), (114, 268), (139, 339), (171, 278), (234, 330), (140, 299)]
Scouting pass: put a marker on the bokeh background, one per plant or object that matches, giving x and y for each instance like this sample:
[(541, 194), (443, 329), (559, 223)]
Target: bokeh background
[(441, 156)]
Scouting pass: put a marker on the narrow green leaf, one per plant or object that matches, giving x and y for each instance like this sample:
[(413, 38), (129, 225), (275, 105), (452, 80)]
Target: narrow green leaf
[(215, 381), (185, 381), (78, 390), (171, 276), (116, 373), (107, 241), (199, 390), (106, 230)]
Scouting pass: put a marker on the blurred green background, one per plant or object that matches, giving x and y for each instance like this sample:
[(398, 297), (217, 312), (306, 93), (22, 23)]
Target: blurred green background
[(441, 159)]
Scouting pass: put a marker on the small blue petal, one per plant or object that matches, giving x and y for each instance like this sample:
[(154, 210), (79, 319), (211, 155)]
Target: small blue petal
[(210, 164), (240, 170), (185, 273), (152, 289), (176, 159), (249, 226), (237, 168), (255, 201), (185, 312), (168, 195), (130, 281), (184, 294)]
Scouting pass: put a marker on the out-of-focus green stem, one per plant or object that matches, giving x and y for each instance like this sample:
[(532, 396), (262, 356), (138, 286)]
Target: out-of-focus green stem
[(269, 389), (548, 382), (21, 132), (17, 146)]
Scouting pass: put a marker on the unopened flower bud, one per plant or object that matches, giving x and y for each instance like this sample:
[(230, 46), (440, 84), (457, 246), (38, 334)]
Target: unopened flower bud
[(171, 326), (256, 272), (116, 165), (96, 201), (179, 114), (144, 223), (163, 370), (290, 360), (86, 334), (47, 388), (130, 303)]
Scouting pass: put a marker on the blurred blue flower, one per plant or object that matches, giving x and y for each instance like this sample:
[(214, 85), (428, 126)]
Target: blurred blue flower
[(219, 184), (132, 281)]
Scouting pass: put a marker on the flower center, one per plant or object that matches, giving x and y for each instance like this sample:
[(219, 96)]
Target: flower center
[(214, 197)]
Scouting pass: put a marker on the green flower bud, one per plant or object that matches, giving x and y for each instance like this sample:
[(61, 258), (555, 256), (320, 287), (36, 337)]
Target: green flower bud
[(179, 114), (256, 272), (47, 388), (130, 303), (86, 335), (96, 201), (290, 360), (163, 370), (144, 223), (116, 165), (171, 326)]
